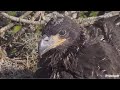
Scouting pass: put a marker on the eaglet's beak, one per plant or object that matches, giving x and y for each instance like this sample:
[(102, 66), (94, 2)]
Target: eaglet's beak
[(48, 43)]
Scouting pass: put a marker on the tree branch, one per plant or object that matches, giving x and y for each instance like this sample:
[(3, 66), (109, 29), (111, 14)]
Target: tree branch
[(36, 15), (20, 19), (3, 29), (91, 20), (82, 21)]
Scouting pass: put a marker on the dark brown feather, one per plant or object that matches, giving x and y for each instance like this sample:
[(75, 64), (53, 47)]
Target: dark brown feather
[(93, 54)]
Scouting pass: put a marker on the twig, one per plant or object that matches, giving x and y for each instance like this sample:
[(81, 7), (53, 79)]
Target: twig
[(20, 19), (84, 21), (26, 14), (17, 60), (91, 20), (36, 15), (3, 29)]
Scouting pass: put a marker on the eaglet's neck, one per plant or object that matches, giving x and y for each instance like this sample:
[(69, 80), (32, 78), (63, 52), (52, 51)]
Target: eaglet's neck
[(65, 57)]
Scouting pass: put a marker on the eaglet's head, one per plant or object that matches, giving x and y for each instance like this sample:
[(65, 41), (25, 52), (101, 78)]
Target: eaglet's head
[(59, 33)]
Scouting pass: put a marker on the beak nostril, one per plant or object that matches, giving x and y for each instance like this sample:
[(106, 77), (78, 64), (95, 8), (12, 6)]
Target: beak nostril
[(46, 40)]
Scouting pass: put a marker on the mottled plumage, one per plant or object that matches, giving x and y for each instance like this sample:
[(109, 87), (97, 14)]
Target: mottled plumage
[(69, 51)]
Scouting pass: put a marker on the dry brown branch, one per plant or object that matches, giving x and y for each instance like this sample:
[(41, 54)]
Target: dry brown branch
[(20, 19), (36, 15), (84, 21), (3, 29), (26, 14), (91, 20), (17, 60)]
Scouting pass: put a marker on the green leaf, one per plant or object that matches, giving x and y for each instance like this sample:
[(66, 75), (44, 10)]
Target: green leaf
[(38, 28), (13, 51), (82, 14), (16, 29), (94, 13), (12, 13)]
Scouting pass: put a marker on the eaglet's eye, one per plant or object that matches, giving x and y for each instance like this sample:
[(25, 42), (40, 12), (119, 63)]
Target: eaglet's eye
[(62, 33)]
